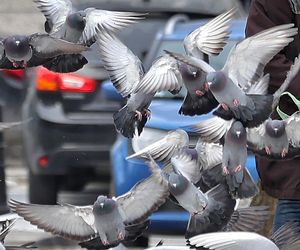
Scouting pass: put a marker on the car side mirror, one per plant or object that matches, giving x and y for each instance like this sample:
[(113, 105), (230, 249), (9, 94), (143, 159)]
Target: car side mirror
[(110, 92)]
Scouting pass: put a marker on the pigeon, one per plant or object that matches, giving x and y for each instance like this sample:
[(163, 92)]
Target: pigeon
[(235, 156), (244, 67), (127, 74), (206, 40), (286, 238), (19, 52), (276, 139), (108, 220), (79, 27), (207, 210)]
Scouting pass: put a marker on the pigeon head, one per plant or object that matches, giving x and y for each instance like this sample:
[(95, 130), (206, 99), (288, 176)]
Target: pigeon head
[(189, 73), (216, 80), (237, 132), (77, 20), (177, 184), (103, 205), (17, 49), (275, 128)]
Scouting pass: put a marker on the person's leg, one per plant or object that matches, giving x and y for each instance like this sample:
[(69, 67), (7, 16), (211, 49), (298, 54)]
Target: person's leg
[(287, 210)]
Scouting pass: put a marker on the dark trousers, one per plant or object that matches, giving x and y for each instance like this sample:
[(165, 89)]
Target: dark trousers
[(287, 210)]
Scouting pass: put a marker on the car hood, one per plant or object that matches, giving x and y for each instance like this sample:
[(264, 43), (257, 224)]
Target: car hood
[(164, 115)]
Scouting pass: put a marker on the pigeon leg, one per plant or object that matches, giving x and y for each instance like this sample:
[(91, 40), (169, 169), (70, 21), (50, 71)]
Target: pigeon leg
[(199, 92), (224, 106), (15, 65), (284, 152), (238, 168), (235, 102), (139, 115), (121, 236), (206, 87), (147, 113), (225, 170), (24, 64), (105, 242), (268, 150)]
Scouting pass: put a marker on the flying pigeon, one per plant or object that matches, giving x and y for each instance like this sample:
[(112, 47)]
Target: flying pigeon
[(79, 27), (244, 67), (286, 238), (127, 74), (108, 220), (204, 41), (276, 139), (18, 52)]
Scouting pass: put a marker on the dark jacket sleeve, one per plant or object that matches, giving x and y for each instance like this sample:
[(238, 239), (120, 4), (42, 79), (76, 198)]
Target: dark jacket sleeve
[(265, 14)]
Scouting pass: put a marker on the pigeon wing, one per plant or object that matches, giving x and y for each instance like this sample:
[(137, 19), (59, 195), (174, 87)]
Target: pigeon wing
[(253, 53), (211, 37), (124, 68), (45, 46), (55, 11), (164, 75), (109, 20), (144, 198), (71, 222)]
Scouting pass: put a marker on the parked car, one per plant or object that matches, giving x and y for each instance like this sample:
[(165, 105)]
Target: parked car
[(67, 143), (164, 117)]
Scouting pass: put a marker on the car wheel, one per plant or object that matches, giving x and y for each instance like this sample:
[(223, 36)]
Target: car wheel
[(43, 189)]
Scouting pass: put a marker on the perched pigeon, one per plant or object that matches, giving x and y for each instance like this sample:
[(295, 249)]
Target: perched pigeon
[(18, 52), (244, 66), (109, 220), (286, 238), (79, 27), (208, 39), (127, 74)]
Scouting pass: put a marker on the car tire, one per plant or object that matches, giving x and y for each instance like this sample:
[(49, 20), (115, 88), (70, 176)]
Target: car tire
[(43, 189)]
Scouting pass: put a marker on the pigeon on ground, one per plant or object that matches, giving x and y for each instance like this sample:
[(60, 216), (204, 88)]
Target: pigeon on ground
[(127, 74), (286, 238), (244, 67), (110, 221), (204, 41), (79, 27), (18, 52)]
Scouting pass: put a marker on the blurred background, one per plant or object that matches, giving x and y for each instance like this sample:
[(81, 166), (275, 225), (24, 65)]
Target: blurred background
[(67, 149)]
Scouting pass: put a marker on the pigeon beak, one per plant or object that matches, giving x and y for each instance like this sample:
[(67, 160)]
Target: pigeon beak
[(101, 204), (209, 83), (275, 130), (238, 133)]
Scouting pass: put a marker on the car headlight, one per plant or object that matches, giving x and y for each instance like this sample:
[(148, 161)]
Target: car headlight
[(147, 137)]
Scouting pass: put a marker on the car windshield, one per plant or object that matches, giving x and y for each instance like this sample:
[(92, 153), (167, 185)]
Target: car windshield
[(217, 62)]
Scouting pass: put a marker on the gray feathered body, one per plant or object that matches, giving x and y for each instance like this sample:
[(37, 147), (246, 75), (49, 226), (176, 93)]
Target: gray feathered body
[(231, 92), (191, 199), (109, 225), (139, 101)]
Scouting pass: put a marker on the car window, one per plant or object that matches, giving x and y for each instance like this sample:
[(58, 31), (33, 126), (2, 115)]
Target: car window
[(216, 62)]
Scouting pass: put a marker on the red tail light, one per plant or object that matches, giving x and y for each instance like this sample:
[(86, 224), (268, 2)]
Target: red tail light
[(43, 161), (17, 74), (65, 82)]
